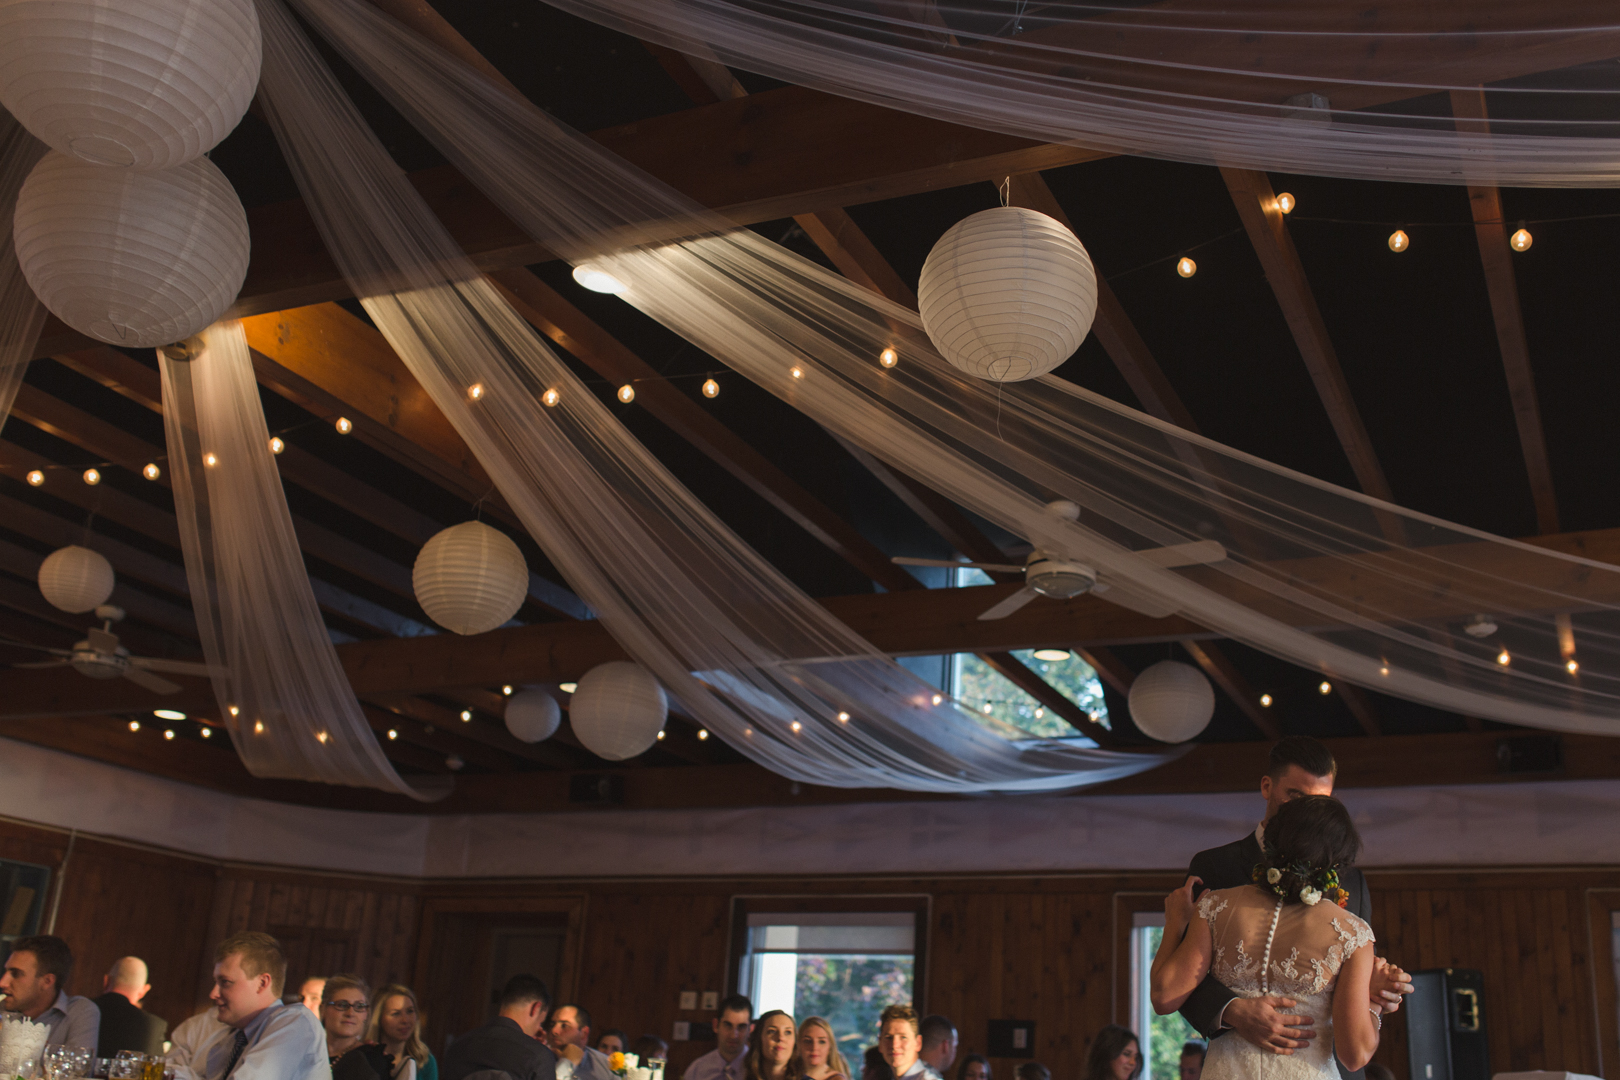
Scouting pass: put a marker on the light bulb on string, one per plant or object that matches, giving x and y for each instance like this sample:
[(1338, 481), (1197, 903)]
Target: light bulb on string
[(151, 471), (393, 733), (1040, 713), (711, 388), (939, 699), (210, 460), (1522, 240), (1504, 658), (276, 445), (796, 371), (35, 477), (344, 425), (1571, 666), (235, 711), (660, 734), (986, 708), (627, 393), (703, 734), (134, 725), (797, 727), (92, 477), (476, 391), (550, 399), (1325, 687), (1285, 203), (1186, 267), (169, 734), (206, 732), (1399, 241), (507, 690), (1265, 701), (466, 716), (888, 357), (843, 718)]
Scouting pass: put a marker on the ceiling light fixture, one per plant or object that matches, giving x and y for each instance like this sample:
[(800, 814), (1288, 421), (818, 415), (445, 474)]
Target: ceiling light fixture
[(168, 714), (598, 280), (1480, 626), (1053, 656), (568, 687)]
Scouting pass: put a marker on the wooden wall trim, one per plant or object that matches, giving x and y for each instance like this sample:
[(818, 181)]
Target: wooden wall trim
[(1601, 904)]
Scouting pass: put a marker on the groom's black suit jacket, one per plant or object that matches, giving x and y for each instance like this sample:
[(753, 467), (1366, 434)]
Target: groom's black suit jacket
[(1227, 867)]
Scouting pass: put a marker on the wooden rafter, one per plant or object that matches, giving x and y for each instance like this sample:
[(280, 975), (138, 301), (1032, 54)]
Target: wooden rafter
[(1022, 676), (1223, 673)]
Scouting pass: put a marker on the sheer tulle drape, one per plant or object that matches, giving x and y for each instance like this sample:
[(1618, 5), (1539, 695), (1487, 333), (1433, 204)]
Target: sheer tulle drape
[(758, 662), (1202, 82), (21, 314), (1342, 584), (282, 692)]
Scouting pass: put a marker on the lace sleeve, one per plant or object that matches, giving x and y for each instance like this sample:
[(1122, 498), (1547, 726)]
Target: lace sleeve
[(1210, 905), (1353, 933)]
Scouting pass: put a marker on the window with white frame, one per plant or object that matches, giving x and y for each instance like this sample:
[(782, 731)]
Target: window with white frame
[(1161, 1036)]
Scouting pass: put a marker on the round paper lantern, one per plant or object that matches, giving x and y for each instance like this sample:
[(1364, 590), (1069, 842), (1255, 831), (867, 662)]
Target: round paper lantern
[(76, 579), (618, 710), (137, 84), (1171, 702), (1007, 294), (138, 259), (470, 578), (532, 715)]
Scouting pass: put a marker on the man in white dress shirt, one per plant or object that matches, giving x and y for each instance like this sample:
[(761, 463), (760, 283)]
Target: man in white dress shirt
[(33, 984), (261, 1038)]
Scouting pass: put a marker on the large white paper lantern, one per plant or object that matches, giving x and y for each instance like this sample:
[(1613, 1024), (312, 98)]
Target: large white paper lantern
[(1171, 701), (618, 710), (532, 715), (1007, 294), (470, 578), (76, 579), (138, 259), (142, 84)]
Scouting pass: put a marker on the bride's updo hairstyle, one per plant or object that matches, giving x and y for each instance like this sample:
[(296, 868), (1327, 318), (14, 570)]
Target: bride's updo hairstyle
[(1307, 843)]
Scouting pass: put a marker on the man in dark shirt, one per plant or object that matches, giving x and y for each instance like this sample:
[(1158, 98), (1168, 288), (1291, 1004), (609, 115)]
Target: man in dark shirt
[(124, 1024), (510, 1042)]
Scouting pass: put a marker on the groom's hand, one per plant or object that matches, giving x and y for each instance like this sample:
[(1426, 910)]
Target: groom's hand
[(1267, 1023), (1389, 984)]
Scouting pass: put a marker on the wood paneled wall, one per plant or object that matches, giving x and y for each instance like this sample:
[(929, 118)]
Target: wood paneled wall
[(1045, 949)]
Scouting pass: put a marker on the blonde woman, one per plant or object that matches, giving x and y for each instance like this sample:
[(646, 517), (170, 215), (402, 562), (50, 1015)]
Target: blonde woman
[(397, 1025), (819, 1057)]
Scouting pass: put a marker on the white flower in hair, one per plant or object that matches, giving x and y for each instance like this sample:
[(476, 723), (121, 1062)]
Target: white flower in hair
[(1309, 896), (1274, 875)]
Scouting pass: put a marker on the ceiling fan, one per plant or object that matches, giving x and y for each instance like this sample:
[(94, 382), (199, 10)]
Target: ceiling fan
[(1060, 579), (100, 656)]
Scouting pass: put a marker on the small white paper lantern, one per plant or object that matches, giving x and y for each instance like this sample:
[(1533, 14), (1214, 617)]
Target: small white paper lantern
[(532, 715), (76, 579), (618, 710), (470, 578), (139, 84), (1171, 701), (138, 259), (1007, 294)]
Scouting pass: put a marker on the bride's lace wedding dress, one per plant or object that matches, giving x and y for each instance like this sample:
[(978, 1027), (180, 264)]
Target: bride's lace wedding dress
[(1263, 946)]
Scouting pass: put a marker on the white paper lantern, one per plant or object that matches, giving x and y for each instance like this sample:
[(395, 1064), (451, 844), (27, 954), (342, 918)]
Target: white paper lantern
[(138, 259), (618, 710), (1172, 702), (76, 579), (470, 578), (142, 84), (1007, 294), (532, 715)]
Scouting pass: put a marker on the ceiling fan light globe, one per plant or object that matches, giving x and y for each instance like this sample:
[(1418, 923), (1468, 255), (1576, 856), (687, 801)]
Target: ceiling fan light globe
[(1060, 580)]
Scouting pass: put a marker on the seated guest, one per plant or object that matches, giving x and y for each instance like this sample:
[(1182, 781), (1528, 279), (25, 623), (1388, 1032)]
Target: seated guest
[(268, 1040), (396, 1025), (1032, 1070), (613, 1041), (649, 1048), (974, 1067), (310, 992), (873, 1067), (819, 1058), (345, 1001), (1192, 1058), (900, 1043), (509, 1043), (1115, 1055), (938, 1043), (191, 1042), (35, 984), (731, 1030), (569, 1033), (124, 1024), (772, 1057)]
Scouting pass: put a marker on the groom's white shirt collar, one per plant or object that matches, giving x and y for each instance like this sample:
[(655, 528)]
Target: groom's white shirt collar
[(1260, 835)]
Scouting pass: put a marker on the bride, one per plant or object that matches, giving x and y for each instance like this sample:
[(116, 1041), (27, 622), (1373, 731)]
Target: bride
[(1285, 934)]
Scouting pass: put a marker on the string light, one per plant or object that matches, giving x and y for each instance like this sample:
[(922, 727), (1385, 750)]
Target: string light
[(568, 687), (169, 734), (466, 716), (1186, 267), (1503, 658), (1040, 713), (627, 393), (888, 357), (711, 388), (393, 733), (1571, 666), (843, 718), (796, 726), (797, 372), (344, 425), (207, 733), (151, 471), (235, 711), (660, 734), (1399, 241), (92, 477), (1325, 688), (550, 398), (1522, 240), (1265, 701), (1285, 203), (321, 737), (276, 445), (258, 727), (210, 460), (1384, 670), (703, 733), (939, 699), (35, 477), (507, 689), (134, 725), (476, 391), (986, 708)]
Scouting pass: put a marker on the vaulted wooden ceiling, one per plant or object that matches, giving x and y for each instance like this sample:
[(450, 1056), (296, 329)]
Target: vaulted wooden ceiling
[(1457, 378)]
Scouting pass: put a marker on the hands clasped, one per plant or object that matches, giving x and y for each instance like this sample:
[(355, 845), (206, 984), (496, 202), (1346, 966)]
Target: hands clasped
[(1267, 1023)]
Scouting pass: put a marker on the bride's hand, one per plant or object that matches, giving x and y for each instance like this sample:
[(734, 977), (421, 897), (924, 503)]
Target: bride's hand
[(1178, 906)]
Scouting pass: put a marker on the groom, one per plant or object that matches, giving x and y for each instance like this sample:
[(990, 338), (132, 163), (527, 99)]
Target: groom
[(1299, 766)]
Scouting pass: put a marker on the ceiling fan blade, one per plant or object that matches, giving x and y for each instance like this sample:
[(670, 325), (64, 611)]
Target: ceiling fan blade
[(172, 667), (1199, 552), (101, 640), (37, 648), (1141, 603), (44, 664), (1005, 568), (155, 683), (1010, 605)]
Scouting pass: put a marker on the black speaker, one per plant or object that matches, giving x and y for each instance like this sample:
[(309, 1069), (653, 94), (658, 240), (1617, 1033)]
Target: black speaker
[(1445, 1026)]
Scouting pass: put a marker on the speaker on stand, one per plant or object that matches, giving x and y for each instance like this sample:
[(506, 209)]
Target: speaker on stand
[(1445, 1026)]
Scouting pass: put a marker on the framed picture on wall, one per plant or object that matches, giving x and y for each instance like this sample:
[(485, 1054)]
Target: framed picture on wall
[(23, 887)]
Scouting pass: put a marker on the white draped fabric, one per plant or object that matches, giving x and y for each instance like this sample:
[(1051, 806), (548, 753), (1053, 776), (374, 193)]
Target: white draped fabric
[(21, 314)]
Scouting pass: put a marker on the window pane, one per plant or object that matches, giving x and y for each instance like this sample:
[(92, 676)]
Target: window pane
[(1162, 1042), (851, 992)]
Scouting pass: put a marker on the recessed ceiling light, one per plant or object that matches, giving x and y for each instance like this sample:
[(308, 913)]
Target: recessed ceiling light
[(568, 687), (168, 714), (1053, 656)]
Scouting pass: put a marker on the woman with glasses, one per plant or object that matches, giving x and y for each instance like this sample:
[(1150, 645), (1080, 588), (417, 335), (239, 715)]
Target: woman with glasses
[(345, 1003)]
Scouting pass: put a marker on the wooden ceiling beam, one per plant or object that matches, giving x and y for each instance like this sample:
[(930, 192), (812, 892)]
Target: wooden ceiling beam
[(1501, 285), (143, 607), (1050, 697), (1224, 674)]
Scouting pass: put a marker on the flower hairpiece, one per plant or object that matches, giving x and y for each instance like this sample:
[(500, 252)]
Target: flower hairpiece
[(1312, 885)]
